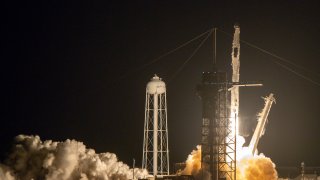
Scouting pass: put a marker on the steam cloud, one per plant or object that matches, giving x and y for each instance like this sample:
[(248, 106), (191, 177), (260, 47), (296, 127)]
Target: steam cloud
[(193, 166), (193, 163), (256, 168), (69, 160)]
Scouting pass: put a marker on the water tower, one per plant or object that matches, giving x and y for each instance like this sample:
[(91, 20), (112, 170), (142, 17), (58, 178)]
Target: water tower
[(155, 143)]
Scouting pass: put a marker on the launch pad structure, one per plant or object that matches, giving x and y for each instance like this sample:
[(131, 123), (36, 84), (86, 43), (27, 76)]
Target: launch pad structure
[(218, 140), (220, 109), (218, 150)]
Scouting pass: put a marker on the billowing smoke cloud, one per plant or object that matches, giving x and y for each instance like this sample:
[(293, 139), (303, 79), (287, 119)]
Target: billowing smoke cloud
[(249, 167), (32, 158), (193, 163), (5, 173), (193, 166), (253, 166), (256, 168)]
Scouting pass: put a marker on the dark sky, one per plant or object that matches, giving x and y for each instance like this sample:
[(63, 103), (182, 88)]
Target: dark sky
[(63, 62)]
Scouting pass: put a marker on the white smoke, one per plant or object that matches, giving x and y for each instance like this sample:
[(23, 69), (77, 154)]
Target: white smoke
[(257, 167), (5, 173), (32, 158), (193, 163)]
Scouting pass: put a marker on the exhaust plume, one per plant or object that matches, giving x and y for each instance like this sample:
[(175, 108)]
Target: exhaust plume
[(253, 166), (193, 163), (249, 167), (256, 168), (193, 166), (32, 158)]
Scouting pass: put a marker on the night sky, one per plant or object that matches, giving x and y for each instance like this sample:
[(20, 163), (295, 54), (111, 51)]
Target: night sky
[(69, 70)]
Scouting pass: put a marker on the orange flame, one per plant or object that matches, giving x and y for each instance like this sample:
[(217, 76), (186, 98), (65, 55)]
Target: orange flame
[(249, 167)]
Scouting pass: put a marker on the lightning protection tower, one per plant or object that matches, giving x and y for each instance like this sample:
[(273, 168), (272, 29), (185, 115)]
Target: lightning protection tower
[(155, 143), (217, 142)]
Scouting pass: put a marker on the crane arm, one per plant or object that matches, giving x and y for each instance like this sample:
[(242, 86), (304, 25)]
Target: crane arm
[(262, 121)]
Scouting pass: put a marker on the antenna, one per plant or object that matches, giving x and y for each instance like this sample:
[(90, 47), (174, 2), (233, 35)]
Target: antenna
[(214, 34)]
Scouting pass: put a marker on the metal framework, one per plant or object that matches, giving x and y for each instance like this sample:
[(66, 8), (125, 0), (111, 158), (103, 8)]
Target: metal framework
[(218, 141), (218, 147), (262, 121), (155, 145)]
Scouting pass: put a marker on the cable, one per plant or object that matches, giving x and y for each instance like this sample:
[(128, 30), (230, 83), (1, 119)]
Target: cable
[(298, 74), (164, 55), (282, 59), (193, 53)]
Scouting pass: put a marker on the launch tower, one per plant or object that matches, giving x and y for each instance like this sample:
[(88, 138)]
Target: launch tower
[(218, 141), (215, 141)]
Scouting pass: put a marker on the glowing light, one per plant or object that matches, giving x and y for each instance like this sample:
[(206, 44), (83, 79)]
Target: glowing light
[(256, 168)]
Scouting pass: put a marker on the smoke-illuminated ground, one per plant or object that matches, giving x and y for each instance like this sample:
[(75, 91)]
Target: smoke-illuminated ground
[(32, 158)]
